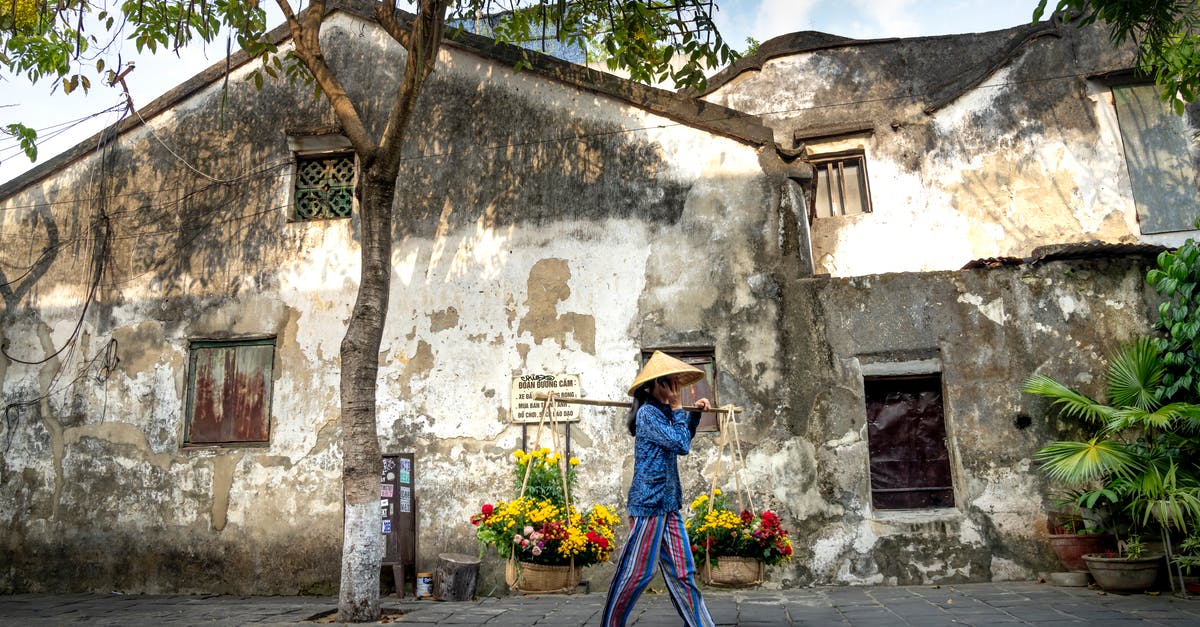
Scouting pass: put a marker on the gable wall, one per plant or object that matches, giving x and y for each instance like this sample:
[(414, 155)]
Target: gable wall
[(539, 228), (1030, 156)]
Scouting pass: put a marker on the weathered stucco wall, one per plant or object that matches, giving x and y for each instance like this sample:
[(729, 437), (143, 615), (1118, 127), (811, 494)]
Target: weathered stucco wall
[(540, 228), (978, 146), (989, 329)]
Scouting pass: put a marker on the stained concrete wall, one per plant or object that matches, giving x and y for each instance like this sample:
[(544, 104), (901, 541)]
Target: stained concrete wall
[(983, 145), (517, 252), (984, 331), (540, 228)]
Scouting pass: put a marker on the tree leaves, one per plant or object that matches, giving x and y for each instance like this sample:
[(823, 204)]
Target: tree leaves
[(1081, 462), (654, 40), (1163, 31), (26, 137)]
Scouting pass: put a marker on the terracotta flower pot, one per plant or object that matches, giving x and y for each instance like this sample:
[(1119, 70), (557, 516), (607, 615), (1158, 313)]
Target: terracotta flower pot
[(1071, 547), (1123, 574)]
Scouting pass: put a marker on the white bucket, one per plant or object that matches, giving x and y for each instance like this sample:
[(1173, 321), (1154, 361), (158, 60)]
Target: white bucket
[(424, 585)]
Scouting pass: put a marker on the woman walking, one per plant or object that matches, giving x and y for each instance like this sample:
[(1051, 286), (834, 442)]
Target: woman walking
[(662, 431)]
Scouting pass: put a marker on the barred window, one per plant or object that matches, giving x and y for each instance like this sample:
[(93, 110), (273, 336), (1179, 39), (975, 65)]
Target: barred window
[(324, 187), (842, 188)]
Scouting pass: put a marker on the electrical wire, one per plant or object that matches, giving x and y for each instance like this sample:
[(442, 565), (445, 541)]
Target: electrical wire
[(734, 115)]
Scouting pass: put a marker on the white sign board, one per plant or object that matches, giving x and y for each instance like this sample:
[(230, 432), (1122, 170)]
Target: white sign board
[(526, 409)]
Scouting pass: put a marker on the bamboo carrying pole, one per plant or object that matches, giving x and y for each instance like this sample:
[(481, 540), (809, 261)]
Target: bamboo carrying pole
[(543, 396)]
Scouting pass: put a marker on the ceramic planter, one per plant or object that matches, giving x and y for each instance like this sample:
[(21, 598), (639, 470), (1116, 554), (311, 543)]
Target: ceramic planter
[(1123, 574)]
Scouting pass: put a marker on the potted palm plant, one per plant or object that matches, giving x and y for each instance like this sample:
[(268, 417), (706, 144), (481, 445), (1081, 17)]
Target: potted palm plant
[(1188, 561), (1138, 459)]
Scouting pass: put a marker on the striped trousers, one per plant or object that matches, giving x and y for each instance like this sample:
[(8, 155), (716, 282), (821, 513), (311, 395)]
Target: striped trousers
[(662, 539)]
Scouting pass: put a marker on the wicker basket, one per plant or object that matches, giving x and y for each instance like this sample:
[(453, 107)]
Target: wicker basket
[(733, 572), (537, 578)]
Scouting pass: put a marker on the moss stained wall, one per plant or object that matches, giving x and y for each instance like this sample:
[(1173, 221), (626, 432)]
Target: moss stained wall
[(977, 146), (540, 228)]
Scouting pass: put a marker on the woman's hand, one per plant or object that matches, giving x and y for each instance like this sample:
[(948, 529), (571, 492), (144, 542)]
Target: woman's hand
[(703, 404), (666, 391)]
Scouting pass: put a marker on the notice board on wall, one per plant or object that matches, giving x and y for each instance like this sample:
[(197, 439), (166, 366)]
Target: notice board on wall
[(398, 509)]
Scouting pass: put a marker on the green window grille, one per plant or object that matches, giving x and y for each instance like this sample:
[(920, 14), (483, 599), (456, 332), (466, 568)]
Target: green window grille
[(324, 188)]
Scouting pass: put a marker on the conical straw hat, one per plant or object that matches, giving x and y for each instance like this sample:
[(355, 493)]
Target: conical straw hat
[(662, 364)]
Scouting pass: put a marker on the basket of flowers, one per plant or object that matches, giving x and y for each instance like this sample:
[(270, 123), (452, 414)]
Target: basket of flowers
[(733, 549), (545, 538)]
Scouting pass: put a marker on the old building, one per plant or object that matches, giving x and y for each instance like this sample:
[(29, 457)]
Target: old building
[(559, 220)]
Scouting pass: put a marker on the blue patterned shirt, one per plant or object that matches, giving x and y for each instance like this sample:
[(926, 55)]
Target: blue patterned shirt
[(662, 435)]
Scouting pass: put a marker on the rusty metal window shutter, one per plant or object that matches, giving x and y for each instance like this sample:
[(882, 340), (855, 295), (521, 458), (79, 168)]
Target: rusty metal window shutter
[(906, 436), (229, 392), (324, 187)]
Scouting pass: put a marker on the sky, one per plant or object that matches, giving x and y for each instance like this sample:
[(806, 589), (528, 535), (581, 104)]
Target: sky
[(62, 121)]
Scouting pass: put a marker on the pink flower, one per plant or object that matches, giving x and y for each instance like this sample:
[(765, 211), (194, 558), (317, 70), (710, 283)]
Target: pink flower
[(537, 550), (517, 539), (528, 530)]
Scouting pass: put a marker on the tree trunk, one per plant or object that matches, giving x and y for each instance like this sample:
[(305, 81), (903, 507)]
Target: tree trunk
[(362, 540)]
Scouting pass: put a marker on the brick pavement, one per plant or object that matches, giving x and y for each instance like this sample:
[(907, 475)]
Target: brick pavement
[(1017, 603)]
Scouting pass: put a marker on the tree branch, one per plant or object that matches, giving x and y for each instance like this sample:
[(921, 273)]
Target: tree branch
[(426, 39), (306, 34), (385, 13)]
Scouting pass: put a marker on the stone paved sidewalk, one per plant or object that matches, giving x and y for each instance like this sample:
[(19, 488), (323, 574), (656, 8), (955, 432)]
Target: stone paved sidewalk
[(1021, 603)]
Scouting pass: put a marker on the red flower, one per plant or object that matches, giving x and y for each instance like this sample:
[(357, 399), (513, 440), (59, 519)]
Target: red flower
[(487, 509), (747, 516), (597, 539)]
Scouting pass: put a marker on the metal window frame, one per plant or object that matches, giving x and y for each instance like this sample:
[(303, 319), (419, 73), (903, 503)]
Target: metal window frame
[(299, 159), (840, 159)]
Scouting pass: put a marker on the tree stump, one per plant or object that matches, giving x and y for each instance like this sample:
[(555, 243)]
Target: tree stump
[(455, 577)]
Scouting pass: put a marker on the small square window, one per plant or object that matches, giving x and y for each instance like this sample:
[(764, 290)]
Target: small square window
[(906, 436), (229, 392), (324, 187), (701, 358), (842, 188)]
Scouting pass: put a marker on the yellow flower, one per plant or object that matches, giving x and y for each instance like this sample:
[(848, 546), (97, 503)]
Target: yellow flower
[(574, 461), (717, 492), (519, 454), (699, 501)]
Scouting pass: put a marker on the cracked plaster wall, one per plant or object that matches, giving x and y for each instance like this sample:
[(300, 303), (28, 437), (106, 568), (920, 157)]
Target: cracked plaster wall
[(988, 330), (1030, 156), (513, 255), (516, 252)]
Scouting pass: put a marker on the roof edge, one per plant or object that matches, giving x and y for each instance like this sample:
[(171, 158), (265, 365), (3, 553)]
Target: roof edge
[(812, 41), (688, 110)]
